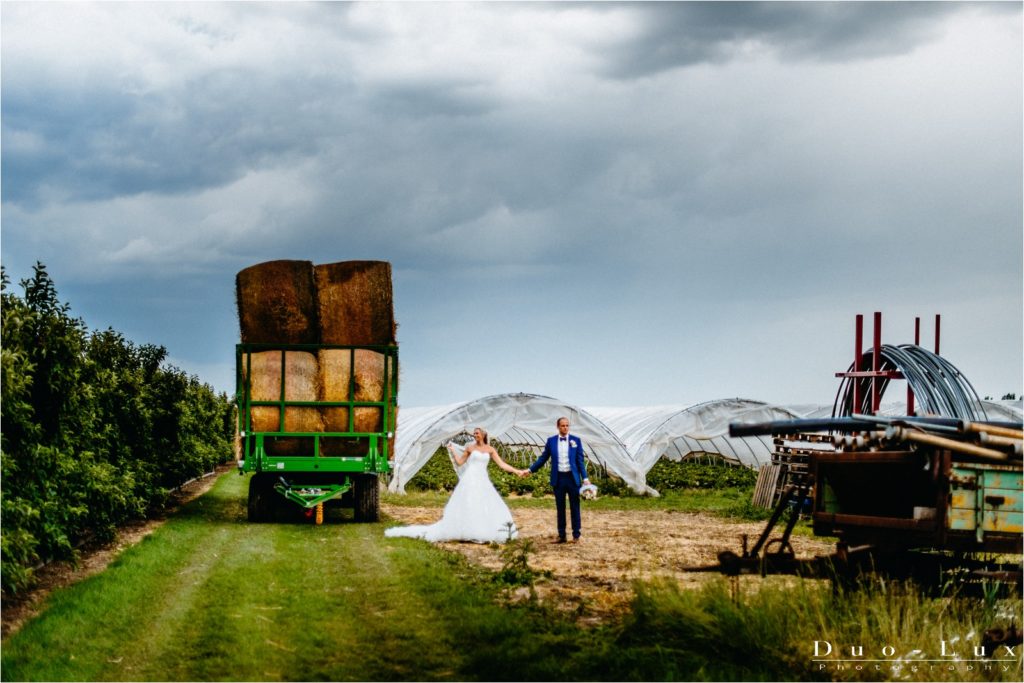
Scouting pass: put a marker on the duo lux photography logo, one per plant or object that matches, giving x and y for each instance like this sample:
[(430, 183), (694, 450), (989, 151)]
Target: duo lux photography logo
[(953, 655)]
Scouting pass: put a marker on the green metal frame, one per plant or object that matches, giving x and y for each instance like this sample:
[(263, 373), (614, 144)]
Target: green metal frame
[(311, 496), (985, 498), (254, 454)]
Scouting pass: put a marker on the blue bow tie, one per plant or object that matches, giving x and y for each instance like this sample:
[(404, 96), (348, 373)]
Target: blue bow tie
[(562, 438)]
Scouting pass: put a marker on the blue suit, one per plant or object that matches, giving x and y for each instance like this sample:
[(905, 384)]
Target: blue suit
[(565, 484)]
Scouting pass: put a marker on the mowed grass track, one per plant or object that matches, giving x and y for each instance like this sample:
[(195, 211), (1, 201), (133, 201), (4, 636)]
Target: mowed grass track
[(210, 596)]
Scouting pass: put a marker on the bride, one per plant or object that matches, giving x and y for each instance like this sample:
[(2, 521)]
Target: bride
[(475, 511)]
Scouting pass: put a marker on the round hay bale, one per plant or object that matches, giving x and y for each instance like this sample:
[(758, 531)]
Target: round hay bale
[(265, 385), (369, 380), (302, 376), (335, 419), (302, 383), (369, 419), (335, 380), (289, 446), (338, 384), (277, 303), (335, 374), (369, 386), (265, 368), (354, 302)]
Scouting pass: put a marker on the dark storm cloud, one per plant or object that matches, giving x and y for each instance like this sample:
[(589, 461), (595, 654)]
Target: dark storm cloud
[(486, 152), (99, 143), (434, 187), (688, 33)]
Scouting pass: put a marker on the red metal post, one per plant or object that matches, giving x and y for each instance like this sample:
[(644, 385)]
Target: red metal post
[(876, 361), (917, 342), (938, 321), (858, 350)]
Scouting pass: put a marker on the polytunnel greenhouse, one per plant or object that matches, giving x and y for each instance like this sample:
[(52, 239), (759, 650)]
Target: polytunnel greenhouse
[(1006, 410), (677, 431), (626, 442), (512, 419)]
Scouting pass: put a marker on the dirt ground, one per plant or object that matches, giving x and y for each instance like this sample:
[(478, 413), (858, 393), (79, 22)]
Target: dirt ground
[(18, 610), (594, 578)]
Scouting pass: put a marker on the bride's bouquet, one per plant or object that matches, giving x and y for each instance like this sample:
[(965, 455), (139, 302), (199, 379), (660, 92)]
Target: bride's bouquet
[(588, 492)]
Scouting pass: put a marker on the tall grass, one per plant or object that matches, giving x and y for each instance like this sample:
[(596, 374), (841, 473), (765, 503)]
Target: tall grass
[(750, 631)]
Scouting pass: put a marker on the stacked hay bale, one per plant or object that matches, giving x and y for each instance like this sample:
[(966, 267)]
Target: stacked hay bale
[(355, 309), (277, 303), (295, 302)]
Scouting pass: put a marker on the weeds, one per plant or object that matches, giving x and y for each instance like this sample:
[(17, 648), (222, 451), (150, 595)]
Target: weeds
[(516, 569), (883, 631)]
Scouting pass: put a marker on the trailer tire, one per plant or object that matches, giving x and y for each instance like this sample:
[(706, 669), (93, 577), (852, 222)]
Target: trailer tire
[(259, 498), (366, 495)]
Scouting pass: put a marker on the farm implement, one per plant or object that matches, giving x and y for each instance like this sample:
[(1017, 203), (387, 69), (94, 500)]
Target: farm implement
[(316, 379), (933, 497), (313, 467), (912, 498)]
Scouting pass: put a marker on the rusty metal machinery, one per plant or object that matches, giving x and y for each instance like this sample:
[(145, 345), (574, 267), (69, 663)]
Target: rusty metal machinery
[(923, 497), (918, 484), (912, 497), (932, 381)]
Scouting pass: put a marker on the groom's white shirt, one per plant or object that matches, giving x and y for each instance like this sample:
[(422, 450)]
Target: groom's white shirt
[(563, 455)]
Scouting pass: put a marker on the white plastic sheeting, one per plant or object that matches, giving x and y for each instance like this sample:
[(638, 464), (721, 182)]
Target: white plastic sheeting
[(676, 431), (1004, 410), (625, 441), (515, 419)]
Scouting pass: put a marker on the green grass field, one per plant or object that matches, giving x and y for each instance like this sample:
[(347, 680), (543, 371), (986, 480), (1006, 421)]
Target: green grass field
[(209, 596)]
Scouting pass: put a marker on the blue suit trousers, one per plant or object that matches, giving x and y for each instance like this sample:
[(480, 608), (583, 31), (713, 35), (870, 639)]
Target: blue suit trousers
[(567, 486)]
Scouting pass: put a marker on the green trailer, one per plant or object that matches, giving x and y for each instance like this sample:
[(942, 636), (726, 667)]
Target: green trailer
[(924, 497), (297, 473)]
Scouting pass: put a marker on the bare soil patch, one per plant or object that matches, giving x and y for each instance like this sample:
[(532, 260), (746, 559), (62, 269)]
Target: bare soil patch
[(92, 560), (594, 578)]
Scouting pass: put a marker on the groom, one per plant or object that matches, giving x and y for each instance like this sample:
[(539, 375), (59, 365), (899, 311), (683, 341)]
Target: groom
[(567, 471)]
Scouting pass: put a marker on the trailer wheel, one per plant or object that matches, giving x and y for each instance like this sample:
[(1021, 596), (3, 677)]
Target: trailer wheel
[(259, 498), (367, 498)]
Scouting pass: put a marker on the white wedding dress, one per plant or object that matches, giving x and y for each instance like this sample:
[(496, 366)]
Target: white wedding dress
[(475, 511)]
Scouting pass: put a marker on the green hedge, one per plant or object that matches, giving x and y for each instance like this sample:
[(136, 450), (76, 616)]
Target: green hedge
[(439, 475), (96, 430), (666, 475), (706, 473)]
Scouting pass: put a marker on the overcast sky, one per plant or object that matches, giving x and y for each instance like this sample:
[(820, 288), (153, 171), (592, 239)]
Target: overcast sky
[(610, 204)]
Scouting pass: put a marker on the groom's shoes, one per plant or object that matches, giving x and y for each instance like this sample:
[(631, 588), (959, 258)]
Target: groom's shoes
[(575, 540), (558, 539)]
